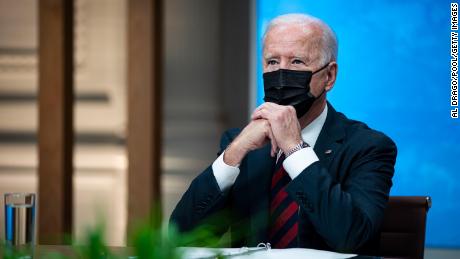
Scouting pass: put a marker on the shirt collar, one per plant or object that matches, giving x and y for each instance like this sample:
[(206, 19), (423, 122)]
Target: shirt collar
[(311, 132)]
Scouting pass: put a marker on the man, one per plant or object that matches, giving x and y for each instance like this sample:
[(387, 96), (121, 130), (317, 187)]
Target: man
[(299, 174)]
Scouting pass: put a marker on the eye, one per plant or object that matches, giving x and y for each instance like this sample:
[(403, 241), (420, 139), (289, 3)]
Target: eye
[(298, 62), (272, 62)]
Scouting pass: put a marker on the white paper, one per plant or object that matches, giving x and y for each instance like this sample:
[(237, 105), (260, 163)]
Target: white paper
[(290, 253)]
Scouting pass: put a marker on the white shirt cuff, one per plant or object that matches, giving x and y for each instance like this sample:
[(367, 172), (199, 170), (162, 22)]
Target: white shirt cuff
[(299, 160), (225, 174)]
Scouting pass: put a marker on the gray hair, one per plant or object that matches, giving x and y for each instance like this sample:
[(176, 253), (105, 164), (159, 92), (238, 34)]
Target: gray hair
[(328, 41)]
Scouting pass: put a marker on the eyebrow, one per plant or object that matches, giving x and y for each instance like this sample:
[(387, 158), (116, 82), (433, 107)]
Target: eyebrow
[(300, 57), (270, 55)]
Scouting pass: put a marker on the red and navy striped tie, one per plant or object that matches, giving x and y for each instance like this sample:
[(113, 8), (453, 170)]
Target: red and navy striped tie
[(283, 211)]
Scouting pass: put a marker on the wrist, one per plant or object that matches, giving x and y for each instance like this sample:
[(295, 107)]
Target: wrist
[(291, 144), (296, 148), (234, 154)]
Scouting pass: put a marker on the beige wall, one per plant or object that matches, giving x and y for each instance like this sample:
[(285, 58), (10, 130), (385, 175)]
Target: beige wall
[(191, 110), (191, 104), (99, 181), (199, 41)]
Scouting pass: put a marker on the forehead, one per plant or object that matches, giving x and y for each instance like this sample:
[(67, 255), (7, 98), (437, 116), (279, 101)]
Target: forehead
[(291, 40)]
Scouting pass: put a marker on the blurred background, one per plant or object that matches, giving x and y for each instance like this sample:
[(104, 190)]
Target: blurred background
[(393, 75)]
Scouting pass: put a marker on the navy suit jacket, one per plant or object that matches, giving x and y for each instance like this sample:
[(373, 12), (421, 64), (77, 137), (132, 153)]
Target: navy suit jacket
[(341, 198)]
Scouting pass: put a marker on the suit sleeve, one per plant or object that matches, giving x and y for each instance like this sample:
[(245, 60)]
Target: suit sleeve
[(349, 213), (204, 203)]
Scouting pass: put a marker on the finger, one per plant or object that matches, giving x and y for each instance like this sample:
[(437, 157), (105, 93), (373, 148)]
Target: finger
[(257, 114), (258, 109), (273, 142), (263, 114), (268, 108), (261, 106), (271, 105), (268, 105)]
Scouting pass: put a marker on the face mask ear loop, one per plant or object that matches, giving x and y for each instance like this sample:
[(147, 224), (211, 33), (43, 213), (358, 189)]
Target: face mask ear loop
[(323, 67), (324, 90)]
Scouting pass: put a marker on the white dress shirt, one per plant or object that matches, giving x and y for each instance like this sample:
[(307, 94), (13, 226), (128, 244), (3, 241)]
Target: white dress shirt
[(294, 164)]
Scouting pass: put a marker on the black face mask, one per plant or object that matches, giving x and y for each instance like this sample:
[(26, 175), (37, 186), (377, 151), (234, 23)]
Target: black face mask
[(290, 87)]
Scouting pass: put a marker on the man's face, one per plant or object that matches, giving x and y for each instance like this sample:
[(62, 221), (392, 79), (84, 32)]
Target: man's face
[(296, 48)]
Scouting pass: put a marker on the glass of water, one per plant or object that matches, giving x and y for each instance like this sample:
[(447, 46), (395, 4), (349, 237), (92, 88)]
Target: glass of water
[(20, 220)]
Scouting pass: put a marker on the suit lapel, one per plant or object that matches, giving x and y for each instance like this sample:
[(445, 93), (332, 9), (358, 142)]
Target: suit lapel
[(330, 137)]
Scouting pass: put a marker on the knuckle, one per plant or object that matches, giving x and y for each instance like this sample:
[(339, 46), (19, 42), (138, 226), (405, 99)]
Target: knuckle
[(285, 110), (279, 116)]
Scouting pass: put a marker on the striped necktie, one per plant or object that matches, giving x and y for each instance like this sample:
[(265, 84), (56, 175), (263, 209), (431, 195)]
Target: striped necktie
[(283, 210)]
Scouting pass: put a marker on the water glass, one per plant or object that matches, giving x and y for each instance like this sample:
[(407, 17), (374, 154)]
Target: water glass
[(20, 220)]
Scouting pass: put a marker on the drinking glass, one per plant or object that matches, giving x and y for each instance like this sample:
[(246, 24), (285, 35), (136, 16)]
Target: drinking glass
[(20, 221)]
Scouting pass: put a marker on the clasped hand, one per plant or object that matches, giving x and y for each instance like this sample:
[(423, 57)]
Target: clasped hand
[(269, 122)]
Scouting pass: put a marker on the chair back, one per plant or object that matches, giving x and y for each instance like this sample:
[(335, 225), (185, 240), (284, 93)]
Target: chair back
[(403, 228)]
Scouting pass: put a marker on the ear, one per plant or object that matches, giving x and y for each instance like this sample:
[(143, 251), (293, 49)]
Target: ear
[(331, 75)]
